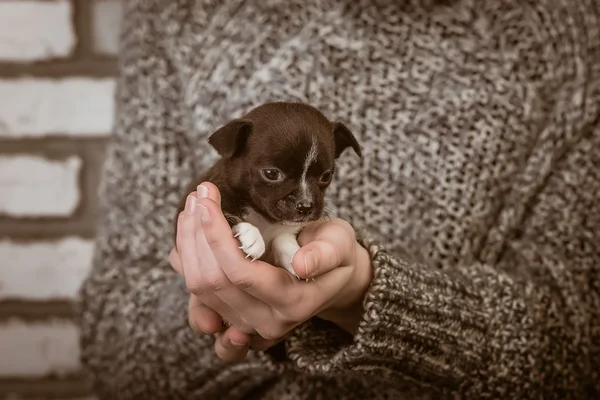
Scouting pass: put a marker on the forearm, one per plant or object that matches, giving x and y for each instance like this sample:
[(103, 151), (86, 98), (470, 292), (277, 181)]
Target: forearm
[(472, 331)]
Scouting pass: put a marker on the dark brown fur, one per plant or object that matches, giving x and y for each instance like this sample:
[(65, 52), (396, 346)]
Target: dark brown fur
[(273, 135)]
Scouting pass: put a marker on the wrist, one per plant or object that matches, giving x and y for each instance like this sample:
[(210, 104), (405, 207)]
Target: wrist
[(347, 311)]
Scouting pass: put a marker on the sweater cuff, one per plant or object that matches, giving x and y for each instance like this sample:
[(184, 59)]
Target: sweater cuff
[(417, 321)]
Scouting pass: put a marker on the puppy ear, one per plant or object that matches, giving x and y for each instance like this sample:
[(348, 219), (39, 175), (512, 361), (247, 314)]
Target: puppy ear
[(344, 139), (229, 140)]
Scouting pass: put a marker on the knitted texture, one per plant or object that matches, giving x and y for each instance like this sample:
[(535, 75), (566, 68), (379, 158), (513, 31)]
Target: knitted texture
[(480, 134)]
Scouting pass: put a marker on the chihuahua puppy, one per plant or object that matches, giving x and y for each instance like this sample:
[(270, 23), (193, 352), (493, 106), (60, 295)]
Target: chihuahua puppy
[(275, 164)]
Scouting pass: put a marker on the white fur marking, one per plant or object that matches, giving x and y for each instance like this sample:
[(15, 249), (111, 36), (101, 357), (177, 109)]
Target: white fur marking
[(311, 157), (280, 239), (284, 247), (251, 240)]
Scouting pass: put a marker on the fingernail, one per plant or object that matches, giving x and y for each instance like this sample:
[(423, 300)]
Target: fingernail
[(236, 344), (202, 191), (204, 214), (190, 205), (310, 263)]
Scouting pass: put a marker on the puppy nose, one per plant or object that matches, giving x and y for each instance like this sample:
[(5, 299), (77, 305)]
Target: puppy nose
[(304, 207)]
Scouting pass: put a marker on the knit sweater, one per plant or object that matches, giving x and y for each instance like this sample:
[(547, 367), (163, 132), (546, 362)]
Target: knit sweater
[(478, 191)]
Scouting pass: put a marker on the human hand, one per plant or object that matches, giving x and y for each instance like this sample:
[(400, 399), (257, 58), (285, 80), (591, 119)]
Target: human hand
[(255, 297)]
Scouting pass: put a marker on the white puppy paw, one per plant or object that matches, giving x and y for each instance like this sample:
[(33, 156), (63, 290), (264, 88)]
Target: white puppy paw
[(252, 242), (285, 247), (283, 260)]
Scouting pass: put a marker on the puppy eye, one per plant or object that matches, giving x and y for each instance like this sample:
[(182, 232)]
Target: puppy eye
[(272, 175), (326, 177)]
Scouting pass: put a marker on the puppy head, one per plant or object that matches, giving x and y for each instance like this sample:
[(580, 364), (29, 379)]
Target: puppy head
[(282, 157)]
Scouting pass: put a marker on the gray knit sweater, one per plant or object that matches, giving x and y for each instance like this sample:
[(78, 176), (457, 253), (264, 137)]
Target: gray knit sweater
[(481, 139)]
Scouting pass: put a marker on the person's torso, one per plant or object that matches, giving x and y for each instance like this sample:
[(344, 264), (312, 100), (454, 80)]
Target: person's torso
[(448, 103)]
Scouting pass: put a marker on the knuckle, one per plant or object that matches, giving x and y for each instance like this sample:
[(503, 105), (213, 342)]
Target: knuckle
[(199, 324), (194, 286), (214, 241), (214, 283), (185, 227), (334, 254), (202, 284), (241, 280), (244, 326), (344, 228)]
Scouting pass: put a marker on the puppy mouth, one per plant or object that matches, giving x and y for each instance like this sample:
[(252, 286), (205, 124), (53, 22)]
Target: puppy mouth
[(302, 220)]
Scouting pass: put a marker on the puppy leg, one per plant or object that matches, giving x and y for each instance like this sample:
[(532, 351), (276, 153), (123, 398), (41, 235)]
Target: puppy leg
[(284, 247), (252, 242)]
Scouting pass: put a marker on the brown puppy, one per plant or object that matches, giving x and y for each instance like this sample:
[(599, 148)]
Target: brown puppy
[(276, 163)]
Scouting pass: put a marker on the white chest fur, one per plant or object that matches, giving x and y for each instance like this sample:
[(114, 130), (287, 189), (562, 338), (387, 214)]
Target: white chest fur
[(268, 230), (258, 236)]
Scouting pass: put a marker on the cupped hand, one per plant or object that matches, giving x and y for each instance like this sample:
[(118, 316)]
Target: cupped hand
[(263, 303)]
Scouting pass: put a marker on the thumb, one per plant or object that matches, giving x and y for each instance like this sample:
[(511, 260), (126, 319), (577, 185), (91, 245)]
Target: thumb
[(316, 258), (320, 257), (325, 247)]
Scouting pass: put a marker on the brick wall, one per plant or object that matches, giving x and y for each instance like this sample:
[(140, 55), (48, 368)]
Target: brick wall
[(57, 67)]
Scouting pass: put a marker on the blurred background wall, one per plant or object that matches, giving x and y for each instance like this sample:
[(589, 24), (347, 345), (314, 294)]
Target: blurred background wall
[(57, 67)]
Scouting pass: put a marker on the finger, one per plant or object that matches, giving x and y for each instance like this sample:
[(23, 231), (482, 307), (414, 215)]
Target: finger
[(333, 245), (216, 229), (179, 230), (231, 351), (227, 313), (210, 278), (210, 191), (202, 274), (186, 243), (260, 280), (213, 279), (316, 258), (203, 319), (236, 335), (175, 261)]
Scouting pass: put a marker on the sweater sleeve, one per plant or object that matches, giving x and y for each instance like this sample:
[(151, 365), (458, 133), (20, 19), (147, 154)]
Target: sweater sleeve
[(525, 325)]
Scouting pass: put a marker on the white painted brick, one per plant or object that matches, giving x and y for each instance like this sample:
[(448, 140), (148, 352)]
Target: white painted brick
[(44, 271), (36, 349), (32, 186), (35, 30), (107, 16), (71, 106)]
